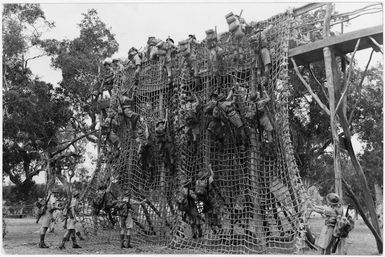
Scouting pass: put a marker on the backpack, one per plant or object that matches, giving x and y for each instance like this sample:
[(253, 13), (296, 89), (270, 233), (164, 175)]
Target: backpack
[(343, 226), (201, 187)]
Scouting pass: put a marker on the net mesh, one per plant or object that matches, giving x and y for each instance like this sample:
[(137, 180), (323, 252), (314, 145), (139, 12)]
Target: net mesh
[(258, 193)]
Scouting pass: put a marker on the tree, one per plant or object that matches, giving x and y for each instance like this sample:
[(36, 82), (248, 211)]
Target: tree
[(33, 111), (80, 61)]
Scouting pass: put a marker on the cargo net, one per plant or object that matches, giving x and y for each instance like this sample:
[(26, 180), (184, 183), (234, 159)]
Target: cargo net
[(254, 204)]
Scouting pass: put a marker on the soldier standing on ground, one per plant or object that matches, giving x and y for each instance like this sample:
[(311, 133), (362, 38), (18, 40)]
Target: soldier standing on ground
[(72, 217), (45, 210), (124, 208)]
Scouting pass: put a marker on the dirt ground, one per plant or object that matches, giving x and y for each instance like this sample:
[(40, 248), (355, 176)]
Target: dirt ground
[(23, 237)]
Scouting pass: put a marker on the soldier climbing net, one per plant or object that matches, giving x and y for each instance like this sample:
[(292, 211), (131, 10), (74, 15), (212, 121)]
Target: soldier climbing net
[(258, 190)]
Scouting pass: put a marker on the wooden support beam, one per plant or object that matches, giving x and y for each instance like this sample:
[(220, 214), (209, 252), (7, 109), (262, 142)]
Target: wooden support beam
[(332, 78), (376, 46), (307, 8), (345, 43)]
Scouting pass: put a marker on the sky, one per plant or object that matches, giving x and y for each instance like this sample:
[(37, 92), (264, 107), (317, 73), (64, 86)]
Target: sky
[(133, 22)]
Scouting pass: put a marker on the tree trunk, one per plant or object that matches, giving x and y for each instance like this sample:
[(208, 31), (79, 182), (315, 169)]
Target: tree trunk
[(367, 222), (332, 76)]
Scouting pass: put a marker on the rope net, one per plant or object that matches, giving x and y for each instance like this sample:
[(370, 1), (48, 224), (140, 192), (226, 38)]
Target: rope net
[(254, 204)]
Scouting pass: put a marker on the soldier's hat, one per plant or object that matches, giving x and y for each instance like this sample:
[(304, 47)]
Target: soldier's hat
[(170, 39), (159, 122), (192, 36), (115, 60), (333, 199), (75, 193), (132, 51), (221, 97), (184, 181), (202, 174)]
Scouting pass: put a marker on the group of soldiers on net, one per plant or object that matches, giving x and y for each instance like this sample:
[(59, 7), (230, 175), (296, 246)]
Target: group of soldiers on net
[(219, 107)]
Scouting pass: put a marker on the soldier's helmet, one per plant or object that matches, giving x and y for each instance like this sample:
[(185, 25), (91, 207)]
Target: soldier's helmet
[(170, 39), (333, 198), (192, 36), (76, 193)]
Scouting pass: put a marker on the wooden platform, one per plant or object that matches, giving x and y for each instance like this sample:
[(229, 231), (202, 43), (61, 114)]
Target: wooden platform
[(343, 44)]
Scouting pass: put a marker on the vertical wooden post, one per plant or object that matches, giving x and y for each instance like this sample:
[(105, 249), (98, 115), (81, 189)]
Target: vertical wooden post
[(332, 78)]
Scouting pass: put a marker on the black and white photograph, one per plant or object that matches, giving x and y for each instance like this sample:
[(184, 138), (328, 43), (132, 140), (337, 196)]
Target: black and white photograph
[(192, 127)]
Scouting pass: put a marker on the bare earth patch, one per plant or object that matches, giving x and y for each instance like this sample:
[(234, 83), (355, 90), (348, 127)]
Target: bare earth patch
[(23, 237)]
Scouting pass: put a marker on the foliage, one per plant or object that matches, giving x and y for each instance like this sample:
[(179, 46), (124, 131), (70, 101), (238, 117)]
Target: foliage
[(80, 62), (33, 111), (311, 128), (27, 193)]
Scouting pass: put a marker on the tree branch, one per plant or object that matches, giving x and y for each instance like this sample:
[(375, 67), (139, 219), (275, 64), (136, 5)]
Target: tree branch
[(323, 107), (32, 58), (348, 78), (72, 142), (359, 88)]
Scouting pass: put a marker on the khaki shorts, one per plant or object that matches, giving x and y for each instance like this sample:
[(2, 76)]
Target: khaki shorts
[(263, 58), (71, 223), (126, 222), (46, 219), (265, 123)]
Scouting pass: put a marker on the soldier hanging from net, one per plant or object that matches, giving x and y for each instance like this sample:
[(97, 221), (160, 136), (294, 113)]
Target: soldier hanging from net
[(189, 115), (144, 144), (127, 105), (264, 124), (204, 190), (110, 126), (135, 61), (165, 143), (166, 51), (152, 50), (260, 43), (103, 201), (216, 127), (215, 51), (237, 28), (185, 200), (185, 48), (107, 79), (228, 106), (123, 206)]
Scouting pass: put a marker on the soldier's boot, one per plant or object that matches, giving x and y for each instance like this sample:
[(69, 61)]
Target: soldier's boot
[(74, 243), (129, 241), (80, 236), (62, 244), (122, 241), (41, 243), (200, 234)]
